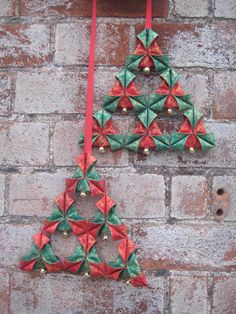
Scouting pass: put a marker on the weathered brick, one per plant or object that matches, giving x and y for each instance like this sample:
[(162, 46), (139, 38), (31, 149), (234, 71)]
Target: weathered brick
[(72, 43), (138, 196), (189, 294), (33, 194), (189, 197), (4, 292), (196, 44), (224, 198), (83, 8), (24, 143), (47, 91), (224, 95), (40, 294), (15, 241), (223, 155), (7, 7), (24, 45), (225, 9), (200, 247), (224, 291), (2, 190), (66, 146), (196, 8), (5, 93)]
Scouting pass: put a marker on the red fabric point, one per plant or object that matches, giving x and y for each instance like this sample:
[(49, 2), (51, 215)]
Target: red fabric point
[(71, 185), (83, 227), (139, 281), (101, 140), (97, 187), (186, 127), (114, 273), (50, 226), (27, 265), (84, 161), (125, 248), (64, 201), (87, 241), (176, 90), (72, 267), (105, 204), (98, 270), (118, 232), (41, 240), (52, 268)]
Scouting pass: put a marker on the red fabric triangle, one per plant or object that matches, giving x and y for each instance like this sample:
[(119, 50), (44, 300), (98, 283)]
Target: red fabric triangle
[(41, 240), (105, 204), (125, 248), (118, 232), (87, 241), (139, 281), (64, 201)]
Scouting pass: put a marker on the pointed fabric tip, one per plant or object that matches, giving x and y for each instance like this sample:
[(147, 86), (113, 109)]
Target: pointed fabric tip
[(64, 201), (105, 204), (139, 281), (41, 240), (126, 248), (84, 161), (87, 241)]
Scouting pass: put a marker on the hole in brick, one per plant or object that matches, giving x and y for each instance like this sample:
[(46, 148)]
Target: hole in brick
[(219, 212), (220, 191)]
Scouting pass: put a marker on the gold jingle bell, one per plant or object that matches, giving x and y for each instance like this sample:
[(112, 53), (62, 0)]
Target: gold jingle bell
[(128, 282), (83, 194), (42, 270), (124, 111), (86, 274), (101, 150), (191, 150), (146, 71), (65, 233), (146, 151), (170, 111), (105, 237)]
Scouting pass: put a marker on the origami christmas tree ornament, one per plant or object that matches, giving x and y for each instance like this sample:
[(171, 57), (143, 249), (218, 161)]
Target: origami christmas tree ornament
[(86, 181), (168, 99)]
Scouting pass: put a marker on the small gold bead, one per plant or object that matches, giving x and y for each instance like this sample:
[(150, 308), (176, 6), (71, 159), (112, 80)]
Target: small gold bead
[(42, 270), (124, 111), (65, 233), (169, 111), (86, 274), (105, 237), (191, 150), (128, 282), (146, 71), (146, 151), (101, 150), (83, 194)]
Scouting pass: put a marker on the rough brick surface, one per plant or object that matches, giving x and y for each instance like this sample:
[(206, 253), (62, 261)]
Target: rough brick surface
[(224, 95), (225, 9), (33, 194), (131, 195), (224, 198), (189, 294), (7, 7), (4, 292), (83, 8), (72, 43), (196, 44), (25, 143), (5, 93), (24, 45), (196, 8), (189, 197), (66, 146), (2, 190), (224, 294), (185, 246)]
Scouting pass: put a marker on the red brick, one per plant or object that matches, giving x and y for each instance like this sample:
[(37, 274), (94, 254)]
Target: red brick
[(72, 43), (25, 143), (15, 241), (222, 156), (7, 7), (189, 197), (196, 45), (2, 190), (224, 300), (83, 8), (24, 45), (195, 8), (138, 196), (4, 292), (66, 147), (190, 247), (189, 294), (226, 9), (224, 95), (224, 198), (33, 194), (5, 93)]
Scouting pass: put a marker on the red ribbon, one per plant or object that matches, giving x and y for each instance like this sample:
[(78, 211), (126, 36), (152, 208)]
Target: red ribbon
[(148, 14), (90, 86)]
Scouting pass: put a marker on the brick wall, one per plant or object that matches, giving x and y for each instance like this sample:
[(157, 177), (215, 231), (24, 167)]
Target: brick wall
[(180, 209)]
